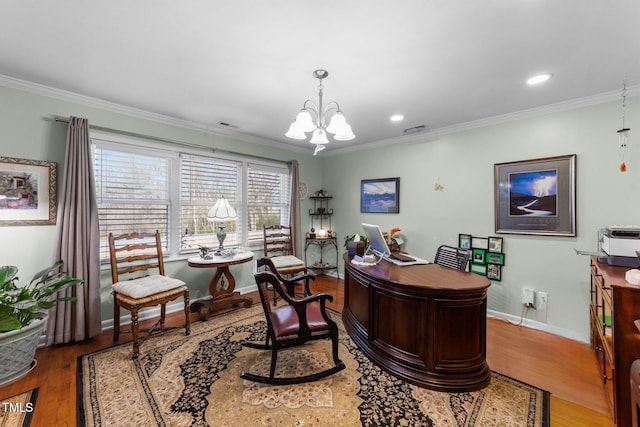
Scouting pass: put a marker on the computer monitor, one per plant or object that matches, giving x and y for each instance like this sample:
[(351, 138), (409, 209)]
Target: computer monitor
[(377, 243)]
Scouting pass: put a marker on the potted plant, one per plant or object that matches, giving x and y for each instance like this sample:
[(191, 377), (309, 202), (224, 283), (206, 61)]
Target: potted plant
[(23, 315)]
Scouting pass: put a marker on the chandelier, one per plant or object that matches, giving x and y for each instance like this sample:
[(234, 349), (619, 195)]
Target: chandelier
[(313, 118)]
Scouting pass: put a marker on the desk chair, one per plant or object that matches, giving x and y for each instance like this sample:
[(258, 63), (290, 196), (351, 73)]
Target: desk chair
[(278, 246), (452, 257), (298, 322), (134, 256)]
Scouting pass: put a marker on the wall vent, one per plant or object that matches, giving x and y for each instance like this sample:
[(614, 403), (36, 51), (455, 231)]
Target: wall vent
[(415, 129)]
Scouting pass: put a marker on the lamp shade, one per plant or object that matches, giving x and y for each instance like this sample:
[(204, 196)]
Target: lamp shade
[(319, 137), (345, 134), (294, 132), (337, 124), (222, 211), (304, 121)]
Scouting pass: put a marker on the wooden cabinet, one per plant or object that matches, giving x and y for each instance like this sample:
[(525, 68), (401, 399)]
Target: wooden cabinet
[(615, 305)]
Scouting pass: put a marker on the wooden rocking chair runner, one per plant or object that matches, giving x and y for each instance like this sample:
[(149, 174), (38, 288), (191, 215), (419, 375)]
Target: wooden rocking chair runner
[(134, 256), (300, 321), (290, 284), (452, 257), (278, 246)]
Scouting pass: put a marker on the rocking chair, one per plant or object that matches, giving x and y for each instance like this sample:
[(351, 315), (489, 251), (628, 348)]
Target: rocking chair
[(290, 284), (300, 321)]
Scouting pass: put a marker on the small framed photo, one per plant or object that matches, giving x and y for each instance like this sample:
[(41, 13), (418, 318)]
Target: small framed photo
[(494, 258), (478, 256), (480, 243), (480, 269), (494, 272), (464, 241), (495, 244)]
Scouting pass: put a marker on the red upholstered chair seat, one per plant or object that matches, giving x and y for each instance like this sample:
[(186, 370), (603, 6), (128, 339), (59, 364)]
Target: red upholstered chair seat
[(285, 320)]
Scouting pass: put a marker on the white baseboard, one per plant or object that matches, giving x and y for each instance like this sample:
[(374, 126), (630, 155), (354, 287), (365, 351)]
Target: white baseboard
[(545, 327)]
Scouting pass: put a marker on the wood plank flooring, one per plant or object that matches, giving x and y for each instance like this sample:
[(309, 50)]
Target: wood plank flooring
[(565, 368)]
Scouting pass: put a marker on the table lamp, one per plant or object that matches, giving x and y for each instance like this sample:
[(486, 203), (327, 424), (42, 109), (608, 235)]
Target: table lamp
[(221, 211)]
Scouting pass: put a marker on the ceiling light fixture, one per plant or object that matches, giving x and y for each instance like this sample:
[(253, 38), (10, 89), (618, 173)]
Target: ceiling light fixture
[(397, 118), (623, 132), (540, 78), (316, 122)]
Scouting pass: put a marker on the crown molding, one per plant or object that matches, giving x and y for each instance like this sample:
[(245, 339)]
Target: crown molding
[(64, 95), (433, 134)]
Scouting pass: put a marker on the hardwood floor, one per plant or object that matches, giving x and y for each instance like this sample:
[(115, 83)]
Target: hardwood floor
[(565, 368)]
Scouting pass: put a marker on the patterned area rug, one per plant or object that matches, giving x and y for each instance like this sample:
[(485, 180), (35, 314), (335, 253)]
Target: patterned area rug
[(194, 381), (16, 411)]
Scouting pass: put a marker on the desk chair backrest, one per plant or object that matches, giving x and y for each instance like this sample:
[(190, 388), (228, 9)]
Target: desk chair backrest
[(452, 257), (135, 255)]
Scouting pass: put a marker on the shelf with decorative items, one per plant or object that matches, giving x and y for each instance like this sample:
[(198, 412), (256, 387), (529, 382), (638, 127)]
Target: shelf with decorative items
[(321, 233)]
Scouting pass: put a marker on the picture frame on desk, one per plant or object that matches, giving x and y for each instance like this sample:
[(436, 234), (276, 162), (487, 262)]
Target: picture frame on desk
[(380, 195), (536, 196)]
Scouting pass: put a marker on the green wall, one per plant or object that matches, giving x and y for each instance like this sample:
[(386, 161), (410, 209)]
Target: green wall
[(463, 163), (27, 131)]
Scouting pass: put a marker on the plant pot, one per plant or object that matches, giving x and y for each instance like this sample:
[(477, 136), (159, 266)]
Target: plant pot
[(17, 349)]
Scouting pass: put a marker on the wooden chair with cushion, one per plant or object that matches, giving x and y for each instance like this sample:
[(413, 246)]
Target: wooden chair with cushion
[(278, 245), (266, 264), (452, 257), (139, 281), (300, 321)]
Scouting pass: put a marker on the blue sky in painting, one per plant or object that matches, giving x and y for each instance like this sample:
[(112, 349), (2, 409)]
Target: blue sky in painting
[(537, 183)]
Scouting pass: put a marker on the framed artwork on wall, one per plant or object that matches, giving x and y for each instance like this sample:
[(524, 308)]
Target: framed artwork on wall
[(27, 192), (536, 196), (494, 272), (495, 244), (380, 195)]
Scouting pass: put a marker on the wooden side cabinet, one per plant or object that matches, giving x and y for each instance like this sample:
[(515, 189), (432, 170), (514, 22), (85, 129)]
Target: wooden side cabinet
[(615, 305)]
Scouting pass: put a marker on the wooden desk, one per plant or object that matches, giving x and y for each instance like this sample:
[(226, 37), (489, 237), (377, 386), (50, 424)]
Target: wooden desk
[(426, 324), (222, 284)]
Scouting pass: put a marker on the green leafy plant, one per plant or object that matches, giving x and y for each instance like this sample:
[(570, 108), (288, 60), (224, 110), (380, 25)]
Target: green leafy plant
[(19, 306)]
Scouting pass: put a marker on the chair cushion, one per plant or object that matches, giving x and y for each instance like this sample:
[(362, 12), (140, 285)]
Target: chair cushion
[(286, 261), (145, 286), (284, 320)]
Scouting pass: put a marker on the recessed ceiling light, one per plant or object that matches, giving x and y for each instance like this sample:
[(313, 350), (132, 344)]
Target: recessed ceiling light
[(397, 117), (538, 79)]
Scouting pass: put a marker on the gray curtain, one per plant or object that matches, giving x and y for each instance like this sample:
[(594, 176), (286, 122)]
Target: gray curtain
[(295, 207), (78, 242)]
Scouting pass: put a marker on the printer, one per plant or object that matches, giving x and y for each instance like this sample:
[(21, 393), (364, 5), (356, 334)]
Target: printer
[(620, 245)]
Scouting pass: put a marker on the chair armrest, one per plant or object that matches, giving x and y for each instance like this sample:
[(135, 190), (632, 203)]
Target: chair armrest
[(307, 277)]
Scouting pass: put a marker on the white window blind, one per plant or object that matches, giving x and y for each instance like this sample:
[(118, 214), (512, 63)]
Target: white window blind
[(268, 198), (132, 193), (202, 181)]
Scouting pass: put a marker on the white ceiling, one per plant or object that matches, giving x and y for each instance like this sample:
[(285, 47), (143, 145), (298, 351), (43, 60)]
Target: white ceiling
[(441, 63)]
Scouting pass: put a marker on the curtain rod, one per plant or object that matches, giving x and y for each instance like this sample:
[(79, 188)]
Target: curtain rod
[(168, 141)]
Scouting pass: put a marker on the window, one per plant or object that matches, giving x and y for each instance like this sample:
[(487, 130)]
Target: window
[(145, 186), (268, 199)]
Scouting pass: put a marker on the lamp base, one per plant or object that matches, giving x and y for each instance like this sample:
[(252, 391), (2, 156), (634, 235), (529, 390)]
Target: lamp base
[(221, 235)]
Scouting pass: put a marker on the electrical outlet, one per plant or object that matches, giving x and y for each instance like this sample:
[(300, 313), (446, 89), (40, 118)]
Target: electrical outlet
[(542, 301), (527, 298)]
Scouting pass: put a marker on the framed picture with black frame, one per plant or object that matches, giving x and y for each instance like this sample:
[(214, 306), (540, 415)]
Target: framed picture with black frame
[(380, 195), (494, 272)]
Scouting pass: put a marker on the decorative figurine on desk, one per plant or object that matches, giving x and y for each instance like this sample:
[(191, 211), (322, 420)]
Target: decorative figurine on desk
[(205, 252)]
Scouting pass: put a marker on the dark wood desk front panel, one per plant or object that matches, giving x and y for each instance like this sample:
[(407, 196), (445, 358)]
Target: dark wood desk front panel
[(424, 323)]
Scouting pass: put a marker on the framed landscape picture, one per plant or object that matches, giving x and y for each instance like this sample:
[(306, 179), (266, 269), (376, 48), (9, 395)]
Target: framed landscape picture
[(536, 196), (380, 195), (27, 192)]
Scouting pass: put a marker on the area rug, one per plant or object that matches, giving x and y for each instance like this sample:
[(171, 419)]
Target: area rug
[(16, 411), (194, 381)]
